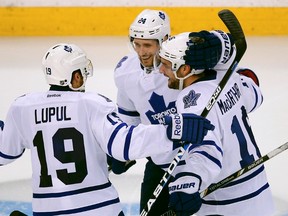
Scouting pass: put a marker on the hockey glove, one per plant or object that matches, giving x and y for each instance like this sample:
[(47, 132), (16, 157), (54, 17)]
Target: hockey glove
[(249, 73), (119, 167), (186, 127), (204, 50), (1, 125), (184, 198)]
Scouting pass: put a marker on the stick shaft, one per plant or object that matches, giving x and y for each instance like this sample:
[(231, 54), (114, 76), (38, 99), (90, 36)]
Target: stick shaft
[(244, 170)]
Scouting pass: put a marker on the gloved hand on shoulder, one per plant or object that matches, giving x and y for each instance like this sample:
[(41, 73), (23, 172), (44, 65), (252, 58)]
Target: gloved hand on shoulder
[(187, 127), (207, 49), (185, 199)]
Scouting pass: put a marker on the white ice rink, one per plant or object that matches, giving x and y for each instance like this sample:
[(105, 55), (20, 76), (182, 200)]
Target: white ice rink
[(20, 72)]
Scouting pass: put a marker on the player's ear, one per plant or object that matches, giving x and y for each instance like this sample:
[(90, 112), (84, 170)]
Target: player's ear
[(186, 69), (76, 79), (76, 75)]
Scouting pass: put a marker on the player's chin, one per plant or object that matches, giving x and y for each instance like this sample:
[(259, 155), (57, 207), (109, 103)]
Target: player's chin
[(172, 84), (147, 62)]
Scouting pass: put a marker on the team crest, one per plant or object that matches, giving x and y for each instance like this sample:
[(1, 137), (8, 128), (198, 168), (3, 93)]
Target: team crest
[(68, 48), (162, 15), (159, 109), (191, 99)]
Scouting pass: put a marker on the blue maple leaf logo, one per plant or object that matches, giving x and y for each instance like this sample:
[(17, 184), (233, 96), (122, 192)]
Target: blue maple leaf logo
[(191, 99), (160, 109), (68, 48)]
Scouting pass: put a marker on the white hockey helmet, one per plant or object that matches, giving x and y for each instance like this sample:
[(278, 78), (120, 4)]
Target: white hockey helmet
[(173, 50), (150, 24), (61, 60)]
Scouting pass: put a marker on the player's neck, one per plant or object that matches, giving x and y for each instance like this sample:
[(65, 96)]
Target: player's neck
[(192, 79)]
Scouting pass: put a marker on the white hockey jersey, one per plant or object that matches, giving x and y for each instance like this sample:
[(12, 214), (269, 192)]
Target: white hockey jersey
[(144, 97), (69, 134), (228, 148)]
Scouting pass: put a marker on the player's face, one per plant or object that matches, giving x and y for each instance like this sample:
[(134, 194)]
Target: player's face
[(166, 70), (146, 50)]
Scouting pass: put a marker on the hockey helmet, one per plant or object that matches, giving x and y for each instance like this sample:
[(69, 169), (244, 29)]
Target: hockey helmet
[(150, 24), (61, 60), (173, 50)]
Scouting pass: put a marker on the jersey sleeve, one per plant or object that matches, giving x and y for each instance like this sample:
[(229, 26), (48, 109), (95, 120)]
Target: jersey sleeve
[(125, 142), (126, 108), (11, 140), (205, 160), (252, 92)]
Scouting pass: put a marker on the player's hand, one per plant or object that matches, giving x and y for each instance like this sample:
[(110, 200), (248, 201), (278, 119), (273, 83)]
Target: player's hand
[(184, 197), (1, 125), (205, 49), (119, 167), (186, 127)]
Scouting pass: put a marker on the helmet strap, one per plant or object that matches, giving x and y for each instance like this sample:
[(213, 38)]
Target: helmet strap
[(181, 79)]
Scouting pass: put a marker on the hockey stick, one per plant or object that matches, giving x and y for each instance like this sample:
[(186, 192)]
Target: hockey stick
[(237, 33), (238, 173), (244, 170)]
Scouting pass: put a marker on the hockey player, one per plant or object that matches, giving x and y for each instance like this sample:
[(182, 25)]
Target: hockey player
[(229, 147), (143, 95), (69, 133)]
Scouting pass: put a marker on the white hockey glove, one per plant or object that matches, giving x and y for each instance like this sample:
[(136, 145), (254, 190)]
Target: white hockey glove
[(184, 193)]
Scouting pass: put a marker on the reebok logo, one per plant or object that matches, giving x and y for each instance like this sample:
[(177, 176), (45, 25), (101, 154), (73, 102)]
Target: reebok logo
[(177, 127)]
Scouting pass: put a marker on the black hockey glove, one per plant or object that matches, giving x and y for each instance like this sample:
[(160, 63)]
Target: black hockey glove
[(119, 167), (186, 127), (185, 198), (204, 50), (184, 204)]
